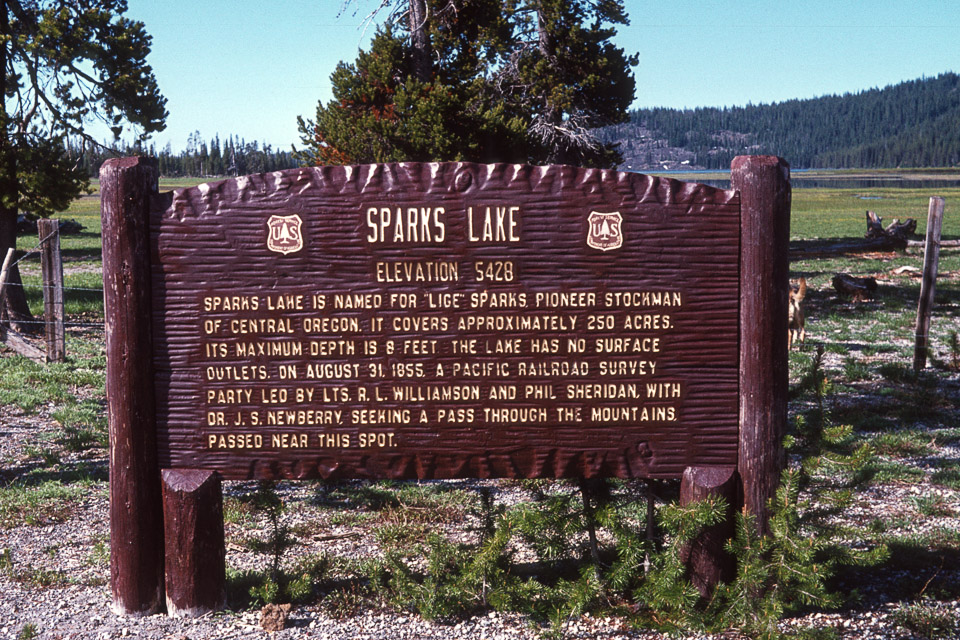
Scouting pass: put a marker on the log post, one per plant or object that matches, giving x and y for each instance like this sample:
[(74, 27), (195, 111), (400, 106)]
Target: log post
[(931, 260), (51, 268), (764, 186), (195, 550), (136, 509), (708, 563)]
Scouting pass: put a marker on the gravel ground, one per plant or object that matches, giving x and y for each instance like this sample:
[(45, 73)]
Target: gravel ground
[(76, 604), (55, 584)]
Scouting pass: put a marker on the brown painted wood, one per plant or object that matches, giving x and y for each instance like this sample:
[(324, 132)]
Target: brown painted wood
[(708, 563), (51, 266), (931, 261), (195, 550), (764, 186), (216, 258), (136, 510)]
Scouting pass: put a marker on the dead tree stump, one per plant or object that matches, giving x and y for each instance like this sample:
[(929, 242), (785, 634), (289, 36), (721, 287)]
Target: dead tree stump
[(896, 230)]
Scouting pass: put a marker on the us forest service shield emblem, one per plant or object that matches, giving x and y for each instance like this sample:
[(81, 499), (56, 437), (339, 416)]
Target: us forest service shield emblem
[(605, 230), (283, 234)]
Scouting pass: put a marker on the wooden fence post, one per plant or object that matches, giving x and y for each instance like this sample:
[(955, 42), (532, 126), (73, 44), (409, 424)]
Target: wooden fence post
[(764, 185), (51, 267), (136, 509), (931, 260)]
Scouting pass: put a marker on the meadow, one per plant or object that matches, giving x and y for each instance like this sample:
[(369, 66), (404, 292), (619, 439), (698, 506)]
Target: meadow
[(865, 430)]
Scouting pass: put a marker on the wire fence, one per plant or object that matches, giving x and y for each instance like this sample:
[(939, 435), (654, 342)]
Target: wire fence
[(51, 287)]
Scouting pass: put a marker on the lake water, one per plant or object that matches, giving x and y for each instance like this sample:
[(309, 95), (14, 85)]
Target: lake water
[(800, 181)]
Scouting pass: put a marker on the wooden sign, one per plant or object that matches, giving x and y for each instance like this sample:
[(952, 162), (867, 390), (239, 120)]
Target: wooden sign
[(446, 320), (433, 321)]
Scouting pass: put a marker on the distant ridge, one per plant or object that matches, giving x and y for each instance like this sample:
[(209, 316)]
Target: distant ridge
[(911, 124)]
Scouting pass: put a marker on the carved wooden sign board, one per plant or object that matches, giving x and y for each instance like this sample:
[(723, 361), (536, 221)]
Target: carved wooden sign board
[(446, 320)]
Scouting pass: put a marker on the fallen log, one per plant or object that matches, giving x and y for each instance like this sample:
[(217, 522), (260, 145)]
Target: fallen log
[(901, 231), (943, 243), (859, 289), (896, 236)]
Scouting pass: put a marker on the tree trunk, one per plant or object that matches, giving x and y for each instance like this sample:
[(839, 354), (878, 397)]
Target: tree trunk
[(552, 114), (420, 40), (16, 302)]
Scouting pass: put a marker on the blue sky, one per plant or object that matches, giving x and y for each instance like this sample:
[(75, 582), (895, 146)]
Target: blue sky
[(250, 67)]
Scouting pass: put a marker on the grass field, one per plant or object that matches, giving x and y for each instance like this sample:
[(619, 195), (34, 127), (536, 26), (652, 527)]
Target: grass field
[(854, 368)]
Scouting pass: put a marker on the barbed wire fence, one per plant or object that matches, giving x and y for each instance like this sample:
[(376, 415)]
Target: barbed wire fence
[(53, 323)]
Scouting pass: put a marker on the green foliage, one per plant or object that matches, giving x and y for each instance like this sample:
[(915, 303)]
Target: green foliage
[(362, 122), (29, 384), (66, 64), (38, 505), (297, 584), (926, 620), (897, 372), (515, 81), (84, 425), (202, 158), (787, 569), (276, 584), (671, 602), (855, 370), (551, 526), (947, 476), (99, 555), (902, 444), (780, 573), (33, 576), (27, 631), (457, 579)]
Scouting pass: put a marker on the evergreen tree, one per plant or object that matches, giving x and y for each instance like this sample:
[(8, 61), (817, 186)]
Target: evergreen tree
[(509, 80), (567, 75), (65, 64)]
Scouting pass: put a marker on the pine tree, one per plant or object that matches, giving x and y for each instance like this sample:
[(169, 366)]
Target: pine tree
[(64, 64), (567, 75), (510, 80)]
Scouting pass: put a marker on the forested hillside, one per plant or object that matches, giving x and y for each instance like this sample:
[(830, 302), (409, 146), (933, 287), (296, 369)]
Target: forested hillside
[(214, 158), (912, 124)]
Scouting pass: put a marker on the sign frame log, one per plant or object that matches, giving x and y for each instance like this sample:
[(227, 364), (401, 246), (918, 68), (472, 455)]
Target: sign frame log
[(764, 186), (136, 508)]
